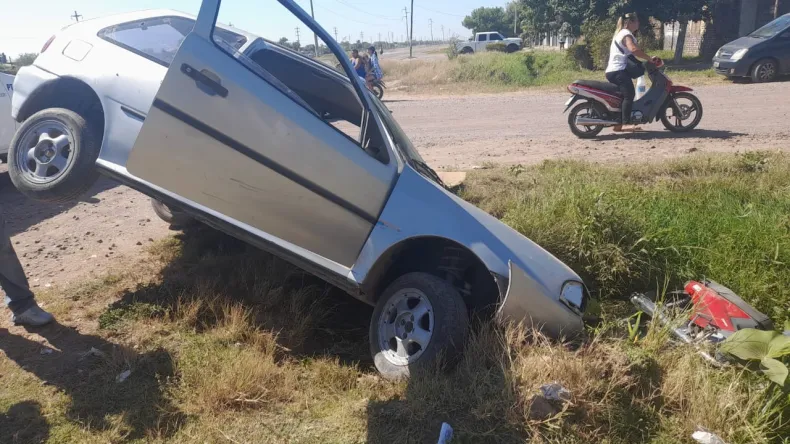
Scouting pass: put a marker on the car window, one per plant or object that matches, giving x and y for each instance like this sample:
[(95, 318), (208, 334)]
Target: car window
[(772, 28), (482, 37), (158, 38), (496, 37), (284, 52)]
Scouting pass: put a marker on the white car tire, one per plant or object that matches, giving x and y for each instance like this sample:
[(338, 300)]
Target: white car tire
[(52, 157)]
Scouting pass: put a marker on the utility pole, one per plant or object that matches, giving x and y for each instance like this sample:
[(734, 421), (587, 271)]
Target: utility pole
[(442, 32), (411, 36), (406, 16), (76, 16), (379, 38), (362, 37), (515, 20), (315, 37), (430, 23), (335, 33)]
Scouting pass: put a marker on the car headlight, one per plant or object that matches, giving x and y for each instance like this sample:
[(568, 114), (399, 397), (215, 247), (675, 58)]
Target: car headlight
[(718, 53), (573, 296), (739, 54)]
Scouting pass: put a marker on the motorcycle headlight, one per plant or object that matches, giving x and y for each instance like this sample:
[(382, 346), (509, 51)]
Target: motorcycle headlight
[(739, 54), (573, 296)]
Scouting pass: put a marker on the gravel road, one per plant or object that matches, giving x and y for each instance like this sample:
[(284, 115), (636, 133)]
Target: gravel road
[(110, 226), (459, 132)]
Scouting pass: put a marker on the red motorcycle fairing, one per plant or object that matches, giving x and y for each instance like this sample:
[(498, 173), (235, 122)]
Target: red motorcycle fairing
[(678, 88), (612, 102)]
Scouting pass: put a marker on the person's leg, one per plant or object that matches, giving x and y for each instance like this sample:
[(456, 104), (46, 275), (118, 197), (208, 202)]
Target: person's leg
[(12, 277), (626, 86), (18, 297)]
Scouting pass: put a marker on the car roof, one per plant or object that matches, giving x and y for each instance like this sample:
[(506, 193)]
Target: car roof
[(94, 25)]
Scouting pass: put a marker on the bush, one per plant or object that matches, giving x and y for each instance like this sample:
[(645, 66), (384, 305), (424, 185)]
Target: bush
[(497, 47), (580, 55), (452, 50), (598, 36)]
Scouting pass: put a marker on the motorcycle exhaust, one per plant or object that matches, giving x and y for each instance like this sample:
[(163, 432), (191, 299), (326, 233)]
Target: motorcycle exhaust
[(586, 121)]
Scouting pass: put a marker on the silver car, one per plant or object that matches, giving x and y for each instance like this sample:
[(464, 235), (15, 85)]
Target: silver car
[(248, 137)]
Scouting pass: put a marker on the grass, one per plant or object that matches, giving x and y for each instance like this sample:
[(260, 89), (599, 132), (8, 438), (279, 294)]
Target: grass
[(498, 72), (227, 344)]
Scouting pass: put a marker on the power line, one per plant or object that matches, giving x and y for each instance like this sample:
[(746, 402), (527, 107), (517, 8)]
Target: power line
[(366, 12), (349, 18), (440, 12)]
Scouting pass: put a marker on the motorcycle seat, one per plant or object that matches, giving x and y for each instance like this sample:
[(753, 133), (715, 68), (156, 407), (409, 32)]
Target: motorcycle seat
[(607, 87)]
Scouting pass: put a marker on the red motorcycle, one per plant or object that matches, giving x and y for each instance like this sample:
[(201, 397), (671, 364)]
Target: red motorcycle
[(674, 105)]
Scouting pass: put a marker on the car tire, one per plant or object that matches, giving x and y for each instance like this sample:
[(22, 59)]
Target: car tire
[(512, 48), (764, 71), (430, 317), (175, 217), (52, 157), (467, 50)]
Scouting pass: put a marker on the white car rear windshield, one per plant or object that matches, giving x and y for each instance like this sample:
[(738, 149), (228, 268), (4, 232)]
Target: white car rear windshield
[(158, 38)]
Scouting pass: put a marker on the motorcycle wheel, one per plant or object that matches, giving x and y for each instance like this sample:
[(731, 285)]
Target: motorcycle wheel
[(378, 91), (691, 113), (587, 109)]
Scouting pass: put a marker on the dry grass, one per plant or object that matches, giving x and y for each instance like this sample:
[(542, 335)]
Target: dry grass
[(227, 344)]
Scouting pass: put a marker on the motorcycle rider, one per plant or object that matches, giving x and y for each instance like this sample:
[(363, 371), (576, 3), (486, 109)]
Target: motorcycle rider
[(624, 45)]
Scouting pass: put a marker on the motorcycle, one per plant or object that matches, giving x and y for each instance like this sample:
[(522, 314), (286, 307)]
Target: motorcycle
[(678, 109), (378, 88)]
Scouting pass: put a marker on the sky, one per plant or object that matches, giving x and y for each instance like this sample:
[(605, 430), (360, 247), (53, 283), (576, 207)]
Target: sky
[(26, 25)]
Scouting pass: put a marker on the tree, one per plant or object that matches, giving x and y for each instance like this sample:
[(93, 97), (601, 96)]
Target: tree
[(3, 58), (283, 41), (25, 59), (489, 19)]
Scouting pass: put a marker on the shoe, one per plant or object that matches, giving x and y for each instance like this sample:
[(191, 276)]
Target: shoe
[(33, 316)]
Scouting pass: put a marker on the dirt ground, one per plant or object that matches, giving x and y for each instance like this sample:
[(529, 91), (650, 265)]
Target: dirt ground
[(111, 225)]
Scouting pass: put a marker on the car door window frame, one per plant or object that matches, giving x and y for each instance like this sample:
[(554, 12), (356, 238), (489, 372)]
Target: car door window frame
[(367, 118)]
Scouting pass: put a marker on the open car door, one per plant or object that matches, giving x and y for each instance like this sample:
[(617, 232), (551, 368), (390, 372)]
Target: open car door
[(245, 133)]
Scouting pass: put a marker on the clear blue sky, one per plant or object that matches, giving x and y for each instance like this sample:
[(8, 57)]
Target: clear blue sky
[(27, 24)]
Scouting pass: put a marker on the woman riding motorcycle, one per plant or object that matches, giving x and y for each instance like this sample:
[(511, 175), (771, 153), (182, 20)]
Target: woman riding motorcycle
[(623, 45)]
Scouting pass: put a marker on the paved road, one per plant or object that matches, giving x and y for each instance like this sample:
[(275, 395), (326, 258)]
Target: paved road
[(457, 132)]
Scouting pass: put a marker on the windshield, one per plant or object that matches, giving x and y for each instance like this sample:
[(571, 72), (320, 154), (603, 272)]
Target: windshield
[(773, 28), (404, 144)]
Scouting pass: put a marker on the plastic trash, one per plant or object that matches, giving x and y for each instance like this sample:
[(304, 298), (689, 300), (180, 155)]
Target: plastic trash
[(555, 392), (123, 376), (703, 436), (445, 434), (641, 87)]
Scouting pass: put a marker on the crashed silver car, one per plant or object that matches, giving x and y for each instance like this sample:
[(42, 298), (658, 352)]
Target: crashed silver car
[(253, 139)]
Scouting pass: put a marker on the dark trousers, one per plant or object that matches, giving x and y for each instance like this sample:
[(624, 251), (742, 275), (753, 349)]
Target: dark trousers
[(18, 296), (626, 87)]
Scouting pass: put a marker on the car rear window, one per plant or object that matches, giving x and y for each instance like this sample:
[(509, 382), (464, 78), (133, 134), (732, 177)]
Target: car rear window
[(158, 38)]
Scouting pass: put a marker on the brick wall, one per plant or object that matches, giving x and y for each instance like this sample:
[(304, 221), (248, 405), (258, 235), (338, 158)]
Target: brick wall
[(694, 36)]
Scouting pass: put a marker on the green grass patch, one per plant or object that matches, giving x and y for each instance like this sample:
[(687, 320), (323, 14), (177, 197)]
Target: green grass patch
[(628, 228)]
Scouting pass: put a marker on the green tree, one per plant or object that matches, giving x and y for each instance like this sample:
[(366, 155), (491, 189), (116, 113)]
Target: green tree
[(25, 59), (489, 19), (283, 41)]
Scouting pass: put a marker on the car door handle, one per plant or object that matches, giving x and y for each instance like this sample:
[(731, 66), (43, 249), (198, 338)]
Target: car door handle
[(205, 79)]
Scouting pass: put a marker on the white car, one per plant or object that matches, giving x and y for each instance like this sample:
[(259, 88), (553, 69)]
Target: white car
[(8, 125), (481, 40), (240, 134)]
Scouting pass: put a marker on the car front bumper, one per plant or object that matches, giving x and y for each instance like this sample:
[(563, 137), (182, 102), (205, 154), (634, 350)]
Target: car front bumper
[(526, 301), (730, 68)]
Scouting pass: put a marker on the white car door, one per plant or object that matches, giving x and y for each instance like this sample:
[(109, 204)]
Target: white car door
[(481, 43), (226, 134)]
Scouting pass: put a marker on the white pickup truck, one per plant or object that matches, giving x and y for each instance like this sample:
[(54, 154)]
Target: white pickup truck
[(7, 124), (481, 41)]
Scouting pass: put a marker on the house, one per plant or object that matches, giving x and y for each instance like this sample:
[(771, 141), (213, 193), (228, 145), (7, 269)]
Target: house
[(729, 20)]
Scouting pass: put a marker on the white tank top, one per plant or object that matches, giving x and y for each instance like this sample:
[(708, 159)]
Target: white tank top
[(617, 59)]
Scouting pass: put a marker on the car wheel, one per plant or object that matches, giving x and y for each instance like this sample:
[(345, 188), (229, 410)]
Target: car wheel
[(765, 71), (467, 51), (419, 320), (52, 157), (512, 48), (176, 218)]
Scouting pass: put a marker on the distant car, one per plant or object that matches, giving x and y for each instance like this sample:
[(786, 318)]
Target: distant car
[(238, 133), (8, 125), (481, 41), (762, 55)]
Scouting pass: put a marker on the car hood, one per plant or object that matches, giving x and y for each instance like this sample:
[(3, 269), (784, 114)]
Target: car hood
[(418, 207), (743, 42)]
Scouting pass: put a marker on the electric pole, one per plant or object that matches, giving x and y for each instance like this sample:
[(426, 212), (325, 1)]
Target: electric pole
[(76, 16), (297, 36), (379, 38), (515, 20), (335, 33), (430, 23), (442, 32), (315, 37), (406, 16), (362, 37), (411, 36)]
